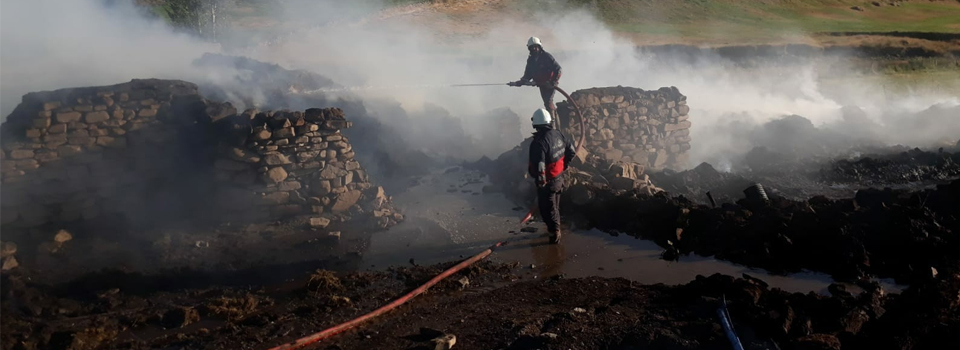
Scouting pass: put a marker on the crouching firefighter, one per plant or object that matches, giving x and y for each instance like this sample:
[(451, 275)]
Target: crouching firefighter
[(550, 155), (543, 70)]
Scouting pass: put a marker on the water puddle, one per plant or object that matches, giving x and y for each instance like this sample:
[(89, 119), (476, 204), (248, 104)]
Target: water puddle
[(444, 225)]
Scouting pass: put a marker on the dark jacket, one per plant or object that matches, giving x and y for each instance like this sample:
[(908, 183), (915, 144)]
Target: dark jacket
[(550, 155), (541, 68)]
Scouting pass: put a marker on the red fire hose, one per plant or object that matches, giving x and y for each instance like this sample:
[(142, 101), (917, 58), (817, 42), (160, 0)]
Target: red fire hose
[(329, 332)]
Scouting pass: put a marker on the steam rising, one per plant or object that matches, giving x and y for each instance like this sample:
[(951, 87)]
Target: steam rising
[(50, 44)]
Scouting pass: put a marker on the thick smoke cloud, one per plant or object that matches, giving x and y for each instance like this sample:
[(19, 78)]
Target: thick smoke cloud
[(726, 101), (48, 46)]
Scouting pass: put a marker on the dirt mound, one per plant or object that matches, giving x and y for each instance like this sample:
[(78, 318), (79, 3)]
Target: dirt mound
[(905, 167), (888, 233)]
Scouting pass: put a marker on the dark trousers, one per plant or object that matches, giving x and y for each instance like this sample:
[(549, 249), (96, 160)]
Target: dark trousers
[(546, 92), (548, 199)]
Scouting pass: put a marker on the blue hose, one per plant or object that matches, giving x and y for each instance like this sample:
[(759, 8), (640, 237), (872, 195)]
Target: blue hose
[(727, 324)]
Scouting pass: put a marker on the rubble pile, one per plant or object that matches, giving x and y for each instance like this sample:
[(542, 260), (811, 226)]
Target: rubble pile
[(509, 175), (153, 151), (630, 131), (650, 128), (908, 236)]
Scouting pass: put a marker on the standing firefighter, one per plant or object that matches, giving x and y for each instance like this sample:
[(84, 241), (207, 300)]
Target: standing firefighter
[(550, 155), (543, 70)]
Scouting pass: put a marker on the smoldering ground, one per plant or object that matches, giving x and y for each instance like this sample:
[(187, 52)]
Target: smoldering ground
[(48, 45)]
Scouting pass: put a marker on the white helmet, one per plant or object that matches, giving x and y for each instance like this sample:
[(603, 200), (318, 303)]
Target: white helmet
[(541, 117), (533, 41)]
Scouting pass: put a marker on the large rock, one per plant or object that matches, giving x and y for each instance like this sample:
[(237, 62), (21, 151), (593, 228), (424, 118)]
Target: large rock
[(626, 169), (321, 187), (96, 117), (345, 200), (261, 134), (67, 117), (7, 249), (62, 236), (9, 263), (331, 172), (613, 155), (319, 222), (284, 133), (681, 125), (661, 159), (307, 156), (275, 175), (21, 154), (276, 158), (289, 186)]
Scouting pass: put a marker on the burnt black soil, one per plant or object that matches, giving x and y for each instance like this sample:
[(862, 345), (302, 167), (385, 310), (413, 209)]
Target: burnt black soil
[(888, 233), (800, 179), (484, 311)]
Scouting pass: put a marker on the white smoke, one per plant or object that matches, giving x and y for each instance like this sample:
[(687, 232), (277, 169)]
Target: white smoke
[(53, 44)]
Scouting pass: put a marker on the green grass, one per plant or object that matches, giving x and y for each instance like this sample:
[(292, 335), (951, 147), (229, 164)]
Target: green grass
[(942, 82), (763, 20)]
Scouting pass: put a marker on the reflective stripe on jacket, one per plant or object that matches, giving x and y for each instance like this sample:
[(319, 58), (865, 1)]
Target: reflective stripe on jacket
[(550, 155)]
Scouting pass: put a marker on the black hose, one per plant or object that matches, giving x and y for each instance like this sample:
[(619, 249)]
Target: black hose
[(583, 128)]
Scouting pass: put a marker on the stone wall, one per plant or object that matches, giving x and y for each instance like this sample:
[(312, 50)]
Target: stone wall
[(288, 163), (624, 124), (152, 152)]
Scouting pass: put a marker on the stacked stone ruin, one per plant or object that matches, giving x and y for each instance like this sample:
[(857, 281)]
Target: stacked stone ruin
[(624, 124), (157, 151), (297, 163)]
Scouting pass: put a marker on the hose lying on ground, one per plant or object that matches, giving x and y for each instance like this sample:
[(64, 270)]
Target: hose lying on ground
[(329, 332)]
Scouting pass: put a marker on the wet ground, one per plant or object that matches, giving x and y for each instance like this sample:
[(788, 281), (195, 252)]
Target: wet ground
[(594, 290), (443, 225)]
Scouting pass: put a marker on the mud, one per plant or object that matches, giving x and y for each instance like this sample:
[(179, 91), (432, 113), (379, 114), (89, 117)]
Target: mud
[(901, 234), (553, 313)]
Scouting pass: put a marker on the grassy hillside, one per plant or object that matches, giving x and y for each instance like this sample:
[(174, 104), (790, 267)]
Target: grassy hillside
[(764, 20)]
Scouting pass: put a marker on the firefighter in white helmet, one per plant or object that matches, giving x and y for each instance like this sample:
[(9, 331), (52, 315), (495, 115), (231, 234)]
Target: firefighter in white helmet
[(550, 155), (543, 70)]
